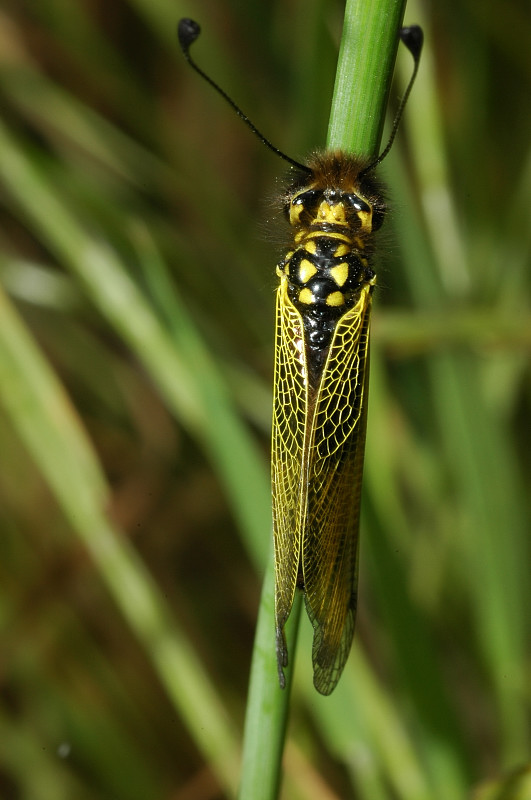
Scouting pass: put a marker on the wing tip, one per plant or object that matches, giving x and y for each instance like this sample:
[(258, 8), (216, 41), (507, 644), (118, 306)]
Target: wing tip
[(329, 660)]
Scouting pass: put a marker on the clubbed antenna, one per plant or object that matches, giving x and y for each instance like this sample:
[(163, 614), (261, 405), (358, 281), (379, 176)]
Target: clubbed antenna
[(188, 30)]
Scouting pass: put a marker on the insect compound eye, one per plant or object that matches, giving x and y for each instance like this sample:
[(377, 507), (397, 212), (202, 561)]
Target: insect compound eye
[(307, 199), (305, 202), (357, 203), (378, 215), (363, 213)]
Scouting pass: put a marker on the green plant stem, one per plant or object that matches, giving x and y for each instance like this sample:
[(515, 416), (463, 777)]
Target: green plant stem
[(42, 415), (368, 49), (268, 704), (363, 79)]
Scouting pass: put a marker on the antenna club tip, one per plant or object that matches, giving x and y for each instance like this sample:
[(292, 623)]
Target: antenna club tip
[(187, 32), (413, 38)]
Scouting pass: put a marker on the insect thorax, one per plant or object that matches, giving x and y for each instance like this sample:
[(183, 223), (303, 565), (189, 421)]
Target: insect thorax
[(334, 220)]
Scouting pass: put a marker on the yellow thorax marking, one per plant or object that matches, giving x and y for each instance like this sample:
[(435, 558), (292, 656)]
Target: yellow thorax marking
[(340, 273), (306, 270), (305, 296), (341, 250), (335, 299)]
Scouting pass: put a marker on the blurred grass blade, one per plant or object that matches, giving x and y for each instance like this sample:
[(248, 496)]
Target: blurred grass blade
[(43, 781), (184, 371), (364, 730), (474, 437), (516, 786), (47, 424), (433, 172), (222, 433)]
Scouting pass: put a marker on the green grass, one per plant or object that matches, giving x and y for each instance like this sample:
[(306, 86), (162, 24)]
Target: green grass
[(136, 319)]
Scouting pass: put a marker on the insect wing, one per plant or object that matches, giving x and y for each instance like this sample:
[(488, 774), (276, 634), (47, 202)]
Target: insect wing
[(290, 406), (335, 466)]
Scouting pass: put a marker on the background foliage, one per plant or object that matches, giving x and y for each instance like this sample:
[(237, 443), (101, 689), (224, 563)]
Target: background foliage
[(137, 259)]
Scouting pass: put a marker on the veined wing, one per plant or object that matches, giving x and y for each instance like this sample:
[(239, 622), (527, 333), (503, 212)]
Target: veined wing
[(335, 465), (290, 404)]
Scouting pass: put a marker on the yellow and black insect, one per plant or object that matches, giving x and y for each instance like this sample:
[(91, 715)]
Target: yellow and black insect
[(335, 206)]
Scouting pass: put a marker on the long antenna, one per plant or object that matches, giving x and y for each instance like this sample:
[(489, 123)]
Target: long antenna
[(188, 30), (413, 38)]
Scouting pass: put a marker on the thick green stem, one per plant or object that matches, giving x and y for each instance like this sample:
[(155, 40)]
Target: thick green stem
[(364, 74)]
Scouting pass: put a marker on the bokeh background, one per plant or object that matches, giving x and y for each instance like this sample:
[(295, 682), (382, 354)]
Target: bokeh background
[(138, 239)]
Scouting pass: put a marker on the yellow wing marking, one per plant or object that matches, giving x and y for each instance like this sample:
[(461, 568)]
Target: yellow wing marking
[(334, 458), (289, 421)]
